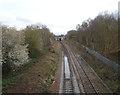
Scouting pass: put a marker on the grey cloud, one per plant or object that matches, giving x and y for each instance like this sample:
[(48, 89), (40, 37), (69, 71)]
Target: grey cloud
[(23, 20)]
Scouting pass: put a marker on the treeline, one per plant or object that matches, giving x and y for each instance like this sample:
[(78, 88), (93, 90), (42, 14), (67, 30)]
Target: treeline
[(19, 47), (99, 34)]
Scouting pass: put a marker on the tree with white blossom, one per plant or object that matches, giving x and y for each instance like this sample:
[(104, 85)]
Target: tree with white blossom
[(14, 49)]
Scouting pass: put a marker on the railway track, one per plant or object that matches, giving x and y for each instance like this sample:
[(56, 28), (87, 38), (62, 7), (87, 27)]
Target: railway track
[(68, 80), (68, 86), (81, 77)]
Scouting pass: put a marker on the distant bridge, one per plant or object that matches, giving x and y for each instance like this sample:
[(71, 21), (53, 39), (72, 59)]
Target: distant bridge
[(60, 37)]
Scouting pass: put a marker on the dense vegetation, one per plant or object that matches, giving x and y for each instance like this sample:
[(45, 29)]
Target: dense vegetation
[(100, 34), (14, 49), (20, 47), (38, 39)]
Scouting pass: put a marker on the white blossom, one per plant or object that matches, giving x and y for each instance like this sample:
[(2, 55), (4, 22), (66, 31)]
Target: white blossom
[(14, 49), (19, 54)]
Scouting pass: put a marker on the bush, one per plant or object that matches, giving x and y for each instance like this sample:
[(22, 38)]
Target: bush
[(14, 50), (34, 41), (18, 46), (38, 40)]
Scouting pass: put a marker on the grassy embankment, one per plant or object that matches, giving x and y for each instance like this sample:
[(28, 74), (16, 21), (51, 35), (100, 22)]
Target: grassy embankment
[(107, 74), (46, 64)]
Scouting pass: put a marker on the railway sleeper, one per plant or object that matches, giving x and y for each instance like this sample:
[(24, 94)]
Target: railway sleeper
[(68, 87)]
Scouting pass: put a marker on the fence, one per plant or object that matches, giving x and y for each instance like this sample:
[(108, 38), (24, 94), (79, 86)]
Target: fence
[(110, 63)]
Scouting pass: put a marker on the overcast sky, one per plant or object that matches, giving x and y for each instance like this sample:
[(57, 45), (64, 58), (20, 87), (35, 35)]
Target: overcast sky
[(60, 16)]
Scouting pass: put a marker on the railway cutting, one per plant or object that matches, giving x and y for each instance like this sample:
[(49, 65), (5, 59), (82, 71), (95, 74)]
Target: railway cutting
[(77, 76)]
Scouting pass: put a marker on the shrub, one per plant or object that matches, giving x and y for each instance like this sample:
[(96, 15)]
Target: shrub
[(38, 39), (14, 50)]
